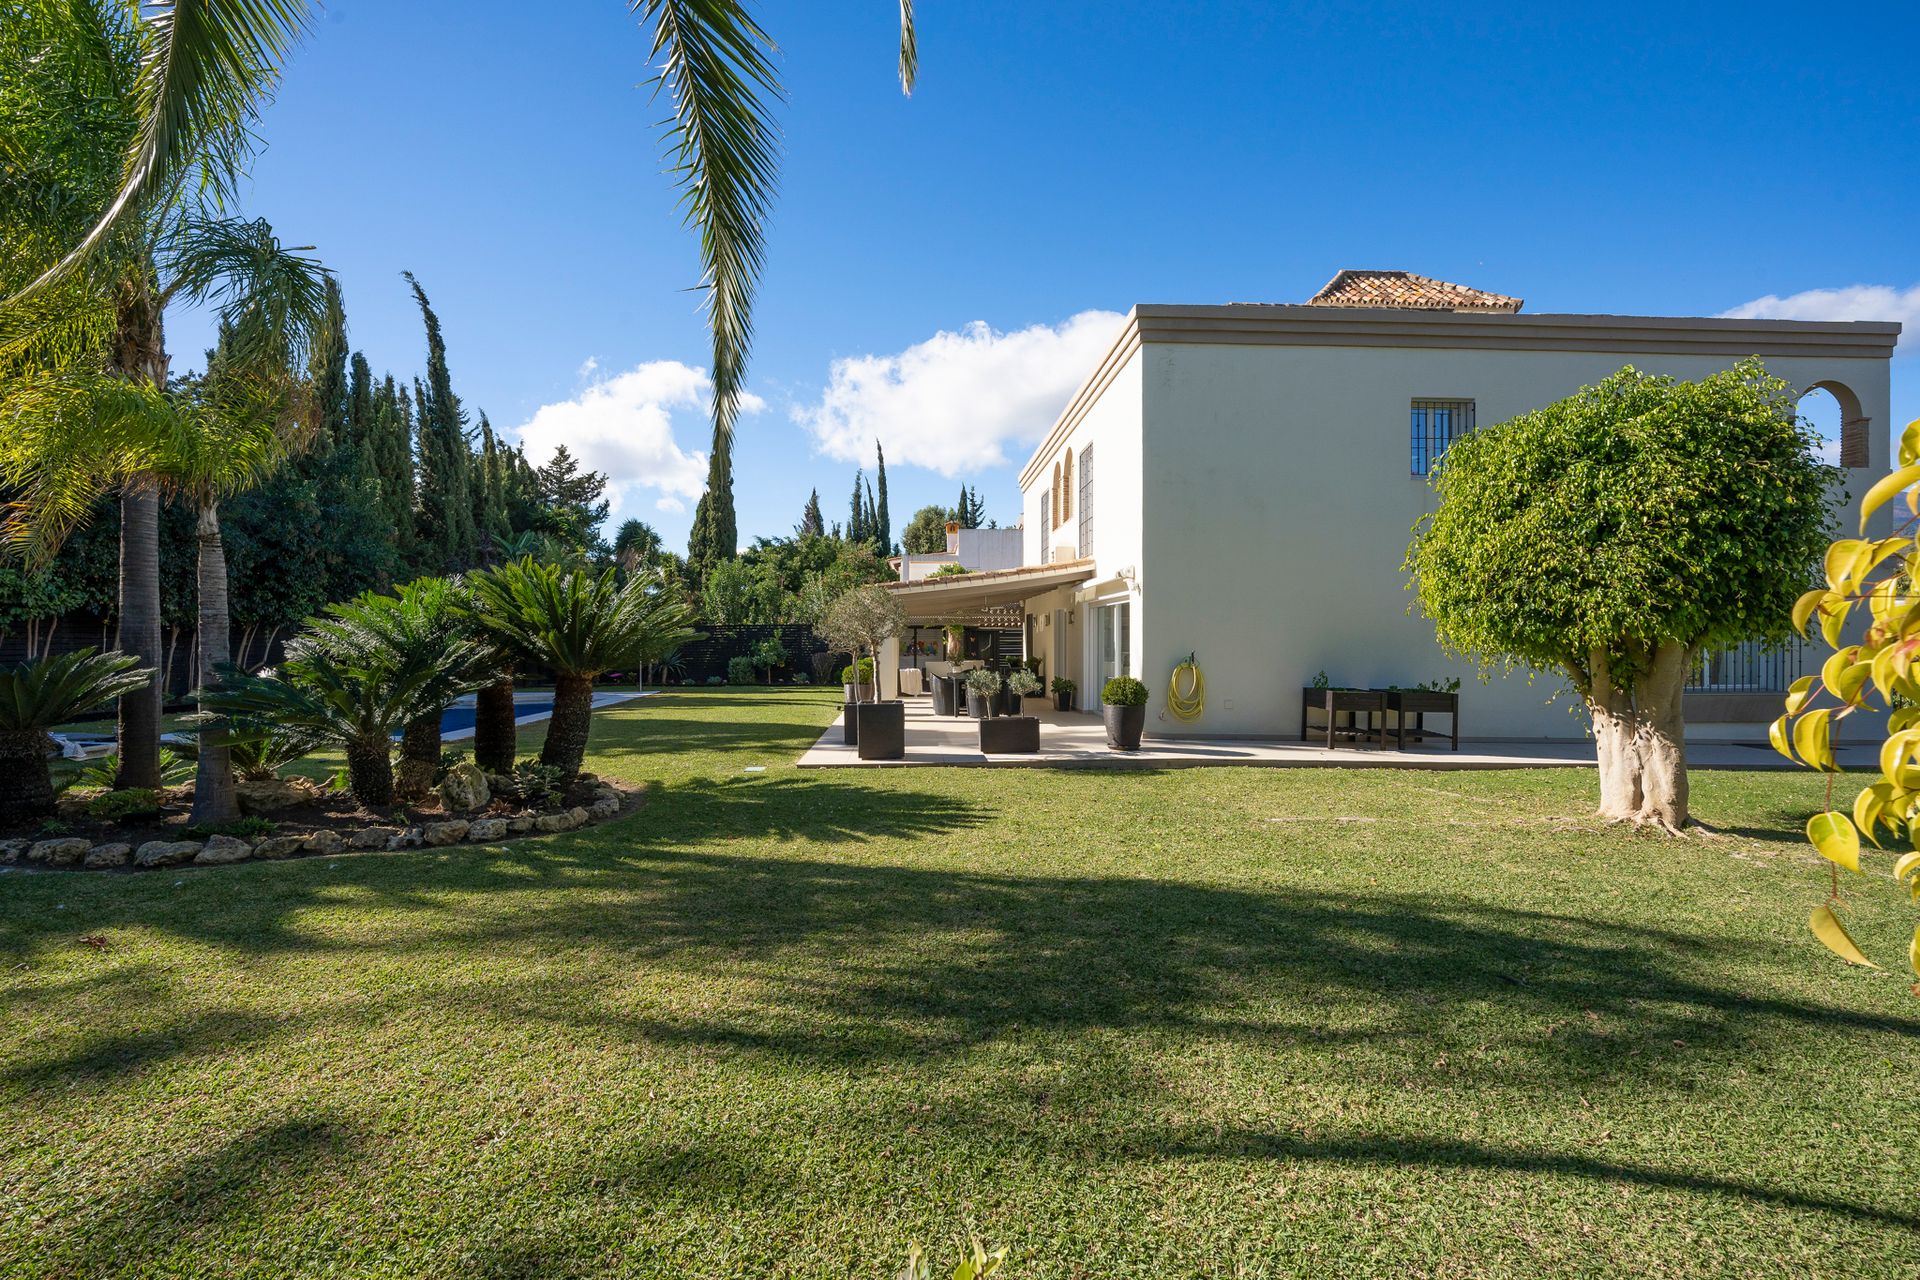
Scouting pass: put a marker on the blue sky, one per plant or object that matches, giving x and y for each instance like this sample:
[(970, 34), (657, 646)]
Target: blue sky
[(929, 256)]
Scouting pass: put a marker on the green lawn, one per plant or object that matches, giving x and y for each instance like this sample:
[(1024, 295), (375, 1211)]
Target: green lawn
[(1195, 1023)]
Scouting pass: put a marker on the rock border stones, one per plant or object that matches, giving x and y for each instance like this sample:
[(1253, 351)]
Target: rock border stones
[(76, 854)]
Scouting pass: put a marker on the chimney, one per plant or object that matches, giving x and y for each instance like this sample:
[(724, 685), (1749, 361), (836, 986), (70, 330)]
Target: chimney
[(953, 537)]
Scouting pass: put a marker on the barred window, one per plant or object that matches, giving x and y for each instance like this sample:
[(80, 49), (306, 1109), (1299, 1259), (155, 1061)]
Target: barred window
[(1086, 502), (1437, 424)]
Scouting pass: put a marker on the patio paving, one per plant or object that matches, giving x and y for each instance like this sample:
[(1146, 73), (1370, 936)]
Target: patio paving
[(1074, 739)]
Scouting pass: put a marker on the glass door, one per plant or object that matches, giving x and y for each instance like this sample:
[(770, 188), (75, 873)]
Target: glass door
[(1111, 631)]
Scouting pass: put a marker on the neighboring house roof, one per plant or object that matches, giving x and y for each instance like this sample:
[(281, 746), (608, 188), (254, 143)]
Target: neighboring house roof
[(1405, 289)]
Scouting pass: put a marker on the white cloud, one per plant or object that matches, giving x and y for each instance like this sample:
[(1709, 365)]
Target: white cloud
[(624, 426), (587, 368), (1855, 302), (955, 402)]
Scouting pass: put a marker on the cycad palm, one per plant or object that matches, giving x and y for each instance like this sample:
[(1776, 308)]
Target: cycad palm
[(37, 695), (576, 624)]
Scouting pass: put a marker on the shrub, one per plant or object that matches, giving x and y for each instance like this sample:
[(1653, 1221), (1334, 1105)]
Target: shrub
[(1124, 691), (37, 695), (741, 669), (983, 681), (1023, 683), (176, 769), (716, 680), (1063, 685), (866, 673), (134, 802), (541, 785)]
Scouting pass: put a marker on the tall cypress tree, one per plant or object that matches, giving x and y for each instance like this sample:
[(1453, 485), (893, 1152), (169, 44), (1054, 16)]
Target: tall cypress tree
[(873, 520), (360, 403), (328, 372), (883, 523), (857, 510), (490, 499), (716, 532), (811, 521), (447, 534)]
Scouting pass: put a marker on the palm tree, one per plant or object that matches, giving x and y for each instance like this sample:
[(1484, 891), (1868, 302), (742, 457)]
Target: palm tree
[(85, 430), (576, 624), (204, 67), (345, 683), (420, 626), (37, 695), (131, 108)]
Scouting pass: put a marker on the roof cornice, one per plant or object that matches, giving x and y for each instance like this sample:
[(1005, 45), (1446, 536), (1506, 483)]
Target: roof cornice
[(1290, 325)]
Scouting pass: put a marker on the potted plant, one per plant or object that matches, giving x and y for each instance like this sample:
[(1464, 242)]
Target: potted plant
[(1124, 705), (1016, 732), (1063, 691), (862, 620), (1022, 684), (983, 686)]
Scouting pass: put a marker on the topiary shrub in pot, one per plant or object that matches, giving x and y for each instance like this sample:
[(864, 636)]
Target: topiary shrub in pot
[(1022, 684), (983, 686), (1063, 691), (1124, 705)]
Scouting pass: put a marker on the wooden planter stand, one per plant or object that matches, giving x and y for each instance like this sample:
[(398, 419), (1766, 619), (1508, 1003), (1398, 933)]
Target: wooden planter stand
[(1411, 708), (1365, 712)]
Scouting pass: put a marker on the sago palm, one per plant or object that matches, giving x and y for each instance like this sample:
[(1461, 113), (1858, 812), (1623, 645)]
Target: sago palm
[(577, 625), (34, 696)]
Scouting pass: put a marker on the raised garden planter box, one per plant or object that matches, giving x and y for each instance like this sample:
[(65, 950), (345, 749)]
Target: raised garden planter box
[(1411, 707), (1364, 712), (883, 730), (1010, 735)]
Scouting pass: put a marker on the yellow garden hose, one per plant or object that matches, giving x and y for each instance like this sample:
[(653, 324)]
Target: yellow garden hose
[(1187, 703)]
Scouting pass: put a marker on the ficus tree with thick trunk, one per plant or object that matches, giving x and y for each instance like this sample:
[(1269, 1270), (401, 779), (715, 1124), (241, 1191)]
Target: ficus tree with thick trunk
[(1614, 536)]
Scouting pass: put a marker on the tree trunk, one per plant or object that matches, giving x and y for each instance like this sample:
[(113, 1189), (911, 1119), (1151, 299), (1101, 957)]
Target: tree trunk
[(566, 744), (26, 784), (419, 756), (494, 734), (1639, 734), (140, 355), (370, 772), (213, 794), (139, 728)]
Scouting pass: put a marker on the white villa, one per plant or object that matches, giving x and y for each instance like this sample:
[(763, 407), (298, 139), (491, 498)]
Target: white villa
[(1239, 482)]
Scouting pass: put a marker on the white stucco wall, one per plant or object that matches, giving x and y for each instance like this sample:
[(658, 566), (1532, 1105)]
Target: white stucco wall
[(1269, 521)]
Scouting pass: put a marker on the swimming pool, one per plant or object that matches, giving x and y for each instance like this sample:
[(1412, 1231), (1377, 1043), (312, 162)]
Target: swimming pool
[(462, 716)]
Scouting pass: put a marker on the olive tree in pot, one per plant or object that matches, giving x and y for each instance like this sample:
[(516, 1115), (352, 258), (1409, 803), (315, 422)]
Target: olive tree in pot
[(1022, 684), (1124, 704), (859, 622), (983, 687), (1063, 691), (1016, 732)]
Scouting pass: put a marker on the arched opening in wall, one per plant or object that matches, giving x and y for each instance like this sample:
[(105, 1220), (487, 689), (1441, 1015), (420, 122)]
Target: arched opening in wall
[(1833, 411)]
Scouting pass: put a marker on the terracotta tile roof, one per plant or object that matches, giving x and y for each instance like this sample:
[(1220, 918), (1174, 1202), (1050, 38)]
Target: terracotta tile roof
[(1405, 289)]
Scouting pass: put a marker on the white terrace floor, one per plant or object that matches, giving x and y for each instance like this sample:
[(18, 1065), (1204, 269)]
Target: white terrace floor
[(1072, 738)]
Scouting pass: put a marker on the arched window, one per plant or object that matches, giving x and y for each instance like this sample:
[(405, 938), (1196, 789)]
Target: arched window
[(1056, 497), (1066, 487), (1833, 410)]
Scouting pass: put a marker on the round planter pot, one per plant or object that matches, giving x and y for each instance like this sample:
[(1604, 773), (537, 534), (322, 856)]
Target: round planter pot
[(979, 706), (1123, 726)]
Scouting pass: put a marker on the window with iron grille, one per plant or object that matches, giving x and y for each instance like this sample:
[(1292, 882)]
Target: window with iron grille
[(1086, 502), (1046, 526), (1437, 424)]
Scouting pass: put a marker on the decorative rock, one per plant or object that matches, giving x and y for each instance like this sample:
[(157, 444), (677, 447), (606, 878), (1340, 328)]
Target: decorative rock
[(221, 850), (73, 802), (65, 852), (411, 838), (601, 810), (271, 795), (13, 850), (323, 842), (165, 853), (563, 821), (102, 856), (372, 838), (579, 816), (281, 846), (486, 828), (464, 789), (519, 826), (439, 833)]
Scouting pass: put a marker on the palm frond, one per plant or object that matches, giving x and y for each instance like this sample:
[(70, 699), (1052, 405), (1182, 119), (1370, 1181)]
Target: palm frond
[(909, 49), (209, 66), (34, 695), (271, 300), (716, 67), (577, 623)]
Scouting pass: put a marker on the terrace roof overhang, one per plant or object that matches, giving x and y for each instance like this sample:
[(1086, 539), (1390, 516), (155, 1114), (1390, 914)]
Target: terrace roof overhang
[(959, 595)]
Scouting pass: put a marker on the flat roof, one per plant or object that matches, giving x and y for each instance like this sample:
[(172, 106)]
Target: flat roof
[(953, 593), (1305, 325)]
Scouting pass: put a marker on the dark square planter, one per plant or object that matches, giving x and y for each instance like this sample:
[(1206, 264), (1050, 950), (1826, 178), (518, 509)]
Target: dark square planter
[(1124, 725), (849, 723), (883, 730), (1010, 735), (1063, 702)]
